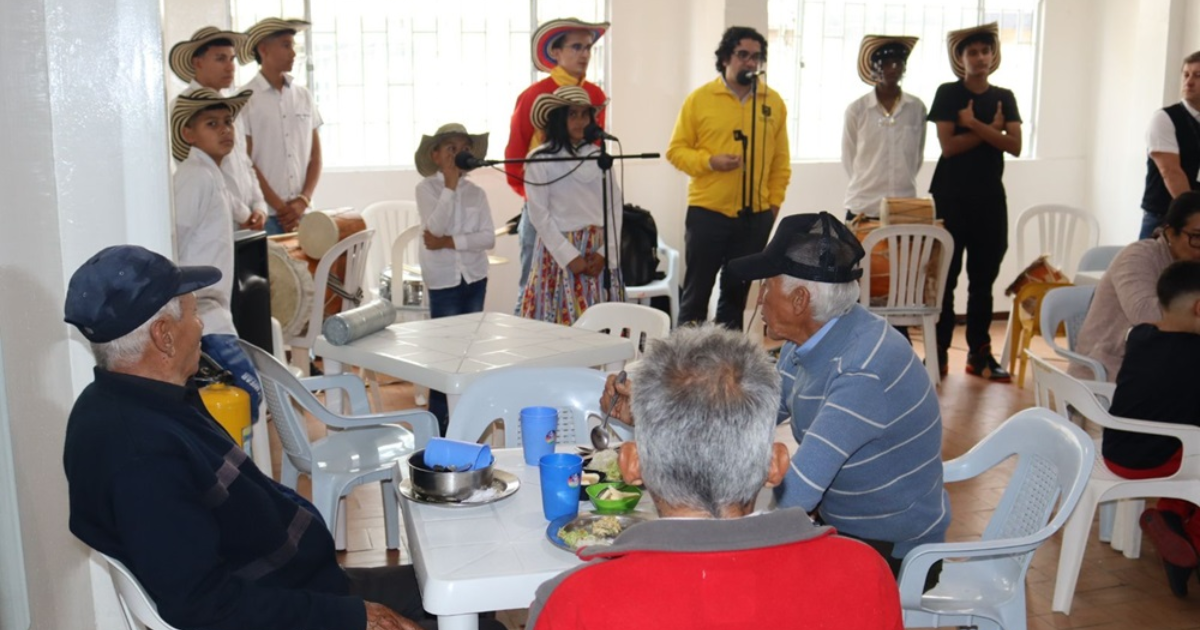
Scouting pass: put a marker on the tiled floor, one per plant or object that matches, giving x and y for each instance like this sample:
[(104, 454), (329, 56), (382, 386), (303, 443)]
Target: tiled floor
[(1113, 592)]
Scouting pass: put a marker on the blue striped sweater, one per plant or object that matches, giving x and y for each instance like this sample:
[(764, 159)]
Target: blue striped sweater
[(870, 432)]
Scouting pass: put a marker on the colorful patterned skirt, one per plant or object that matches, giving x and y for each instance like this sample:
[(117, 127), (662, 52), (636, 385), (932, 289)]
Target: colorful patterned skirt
[(554, 294)]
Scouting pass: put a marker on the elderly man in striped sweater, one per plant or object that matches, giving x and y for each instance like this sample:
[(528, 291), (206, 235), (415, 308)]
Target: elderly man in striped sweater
[(862, 407)]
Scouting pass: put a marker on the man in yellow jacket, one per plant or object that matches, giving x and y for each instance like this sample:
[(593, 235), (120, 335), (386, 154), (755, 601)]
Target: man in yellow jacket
[(739, 164)]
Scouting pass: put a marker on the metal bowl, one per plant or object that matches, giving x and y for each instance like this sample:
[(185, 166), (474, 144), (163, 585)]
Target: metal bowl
[(445, 486)]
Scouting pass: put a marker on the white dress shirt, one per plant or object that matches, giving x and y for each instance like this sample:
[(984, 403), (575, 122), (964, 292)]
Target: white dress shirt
[(238, 169), (882, 152), (281, 124), (1160, 134), (464, 214), (204, 235), (571, 203)]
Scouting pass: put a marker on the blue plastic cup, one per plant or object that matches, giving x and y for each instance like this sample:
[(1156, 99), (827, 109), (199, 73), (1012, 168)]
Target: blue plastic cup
[(560, 473), (537, 432), (457, 455)]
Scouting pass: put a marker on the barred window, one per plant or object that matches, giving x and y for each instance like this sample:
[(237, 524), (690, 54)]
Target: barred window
[(385, 72), (814, 58)]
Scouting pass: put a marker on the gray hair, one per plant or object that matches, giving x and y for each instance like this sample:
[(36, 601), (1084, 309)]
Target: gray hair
[(706, 401), (127, 350), (828, 299)]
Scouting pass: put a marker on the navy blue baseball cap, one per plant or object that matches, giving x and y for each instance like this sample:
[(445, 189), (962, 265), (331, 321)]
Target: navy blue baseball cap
[(123, 286), (815, 247)]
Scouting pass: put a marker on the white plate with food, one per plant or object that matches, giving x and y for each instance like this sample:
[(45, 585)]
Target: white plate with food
[(573, 533)]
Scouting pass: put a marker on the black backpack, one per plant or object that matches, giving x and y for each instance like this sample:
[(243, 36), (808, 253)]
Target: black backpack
[(639, 246)]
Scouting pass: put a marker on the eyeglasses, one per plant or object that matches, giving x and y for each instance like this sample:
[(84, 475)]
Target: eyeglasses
[(1193, 238), (743, 55)]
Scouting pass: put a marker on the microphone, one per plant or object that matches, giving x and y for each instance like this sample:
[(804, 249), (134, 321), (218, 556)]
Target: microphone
[(593, 132), (746, 77), (466, 161)]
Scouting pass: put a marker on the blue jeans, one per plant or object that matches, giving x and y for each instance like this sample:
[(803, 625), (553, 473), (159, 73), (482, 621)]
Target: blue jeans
[(1150, 222), (272, 225), (225, 350), (527, 234), (460, 300)]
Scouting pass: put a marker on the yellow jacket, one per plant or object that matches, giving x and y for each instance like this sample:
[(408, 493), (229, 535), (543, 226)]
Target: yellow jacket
[(706, 126)]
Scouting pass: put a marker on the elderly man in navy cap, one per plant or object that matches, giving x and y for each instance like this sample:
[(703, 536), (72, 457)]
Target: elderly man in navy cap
[(156, 483), (862, 407)]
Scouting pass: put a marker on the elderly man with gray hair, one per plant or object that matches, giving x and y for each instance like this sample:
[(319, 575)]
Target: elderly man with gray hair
[(156, 483), (862, 408), (706, 402)]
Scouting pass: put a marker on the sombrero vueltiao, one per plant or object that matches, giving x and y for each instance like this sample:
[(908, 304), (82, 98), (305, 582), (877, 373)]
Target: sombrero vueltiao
[(872, 43), (425, 164), (552, 30), (187, 105), (180, 58), (562, 97), (955, 38), (264, 29)]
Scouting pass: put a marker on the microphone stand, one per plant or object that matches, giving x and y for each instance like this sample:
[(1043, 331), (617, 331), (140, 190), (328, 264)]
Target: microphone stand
[(604, 160), (753, 142)]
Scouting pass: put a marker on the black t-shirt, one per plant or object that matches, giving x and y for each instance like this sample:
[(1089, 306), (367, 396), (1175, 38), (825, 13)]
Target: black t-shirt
[(1155, 382), (977, 172)]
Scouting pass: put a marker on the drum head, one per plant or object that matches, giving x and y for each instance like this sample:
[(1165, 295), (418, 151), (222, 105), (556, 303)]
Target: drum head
[(291, 290)]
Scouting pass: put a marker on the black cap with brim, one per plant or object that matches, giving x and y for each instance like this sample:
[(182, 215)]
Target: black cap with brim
[(123, 286), (814, 247)]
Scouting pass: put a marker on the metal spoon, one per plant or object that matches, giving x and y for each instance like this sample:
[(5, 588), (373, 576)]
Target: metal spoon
[(600, 431)]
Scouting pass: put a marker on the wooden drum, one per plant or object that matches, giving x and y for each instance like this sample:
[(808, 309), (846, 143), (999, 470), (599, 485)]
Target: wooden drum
[(320, 230)]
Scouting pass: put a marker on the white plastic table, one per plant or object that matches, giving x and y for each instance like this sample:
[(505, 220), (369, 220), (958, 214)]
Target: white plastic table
[(447, 354), (490, 557)]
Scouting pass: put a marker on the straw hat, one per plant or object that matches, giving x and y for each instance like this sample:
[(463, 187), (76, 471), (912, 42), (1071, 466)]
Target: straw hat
[(872, 44), (955, 38), (425, 165), (188, 105), (264, 29), (552, 30), (180, 58), (562, 97)]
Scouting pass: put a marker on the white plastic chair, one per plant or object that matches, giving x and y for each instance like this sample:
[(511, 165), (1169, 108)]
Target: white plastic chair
[(1068, 306), (983, 582), (363, 451), (910, 248), (1071, 394), (355, 247), (635, 322), (499, 397), (1098, 258), (668, 286), (388, 219), (140, 611)]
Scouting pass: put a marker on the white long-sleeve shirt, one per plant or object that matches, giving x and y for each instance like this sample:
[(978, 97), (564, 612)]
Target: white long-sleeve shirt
[(882, 152), (204, 235), (281, 125), (240, 178), (464, 214), (572, 203)]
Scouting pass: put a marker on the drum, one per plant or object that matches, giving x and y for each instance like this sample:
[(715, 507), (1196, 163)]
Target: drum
[(320, 230), (291, 285), (905, 210)]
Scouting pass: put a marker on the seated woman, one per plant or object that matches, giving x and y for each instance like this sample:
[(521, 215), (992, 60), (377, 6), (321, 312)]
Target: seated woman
[(1155, 383), (1125, 296), (566, 205)]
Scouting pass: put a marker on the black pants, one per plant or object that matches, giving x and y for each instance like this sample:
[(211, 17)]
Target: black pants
[(979, 226), (711, 240)]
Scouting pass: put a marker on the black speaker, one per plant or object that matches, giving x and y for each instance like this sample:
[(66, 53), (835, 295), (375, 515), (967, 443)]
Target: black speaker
[(251, 300)]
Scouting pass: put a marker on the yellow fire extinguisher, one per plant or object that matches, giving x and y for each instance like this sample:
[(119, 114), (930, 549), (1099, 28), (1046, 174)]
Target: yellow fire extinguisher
[(228, 403)]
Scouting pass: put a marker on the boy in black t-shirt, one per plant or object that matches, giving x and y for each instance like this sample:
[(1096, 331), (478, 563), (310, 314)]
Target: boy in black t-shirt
[(1155, 383), (977, 123)]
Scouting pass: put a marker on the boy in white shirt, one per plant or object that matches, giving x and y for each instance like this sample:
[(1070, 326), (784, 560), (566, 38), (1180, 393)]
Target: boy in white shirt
[(201, 138), (457, 231)]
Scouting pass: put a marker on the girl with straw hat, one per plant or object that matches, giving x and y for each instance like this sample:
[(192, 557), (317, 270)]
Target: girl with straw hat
[(566, 206)]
